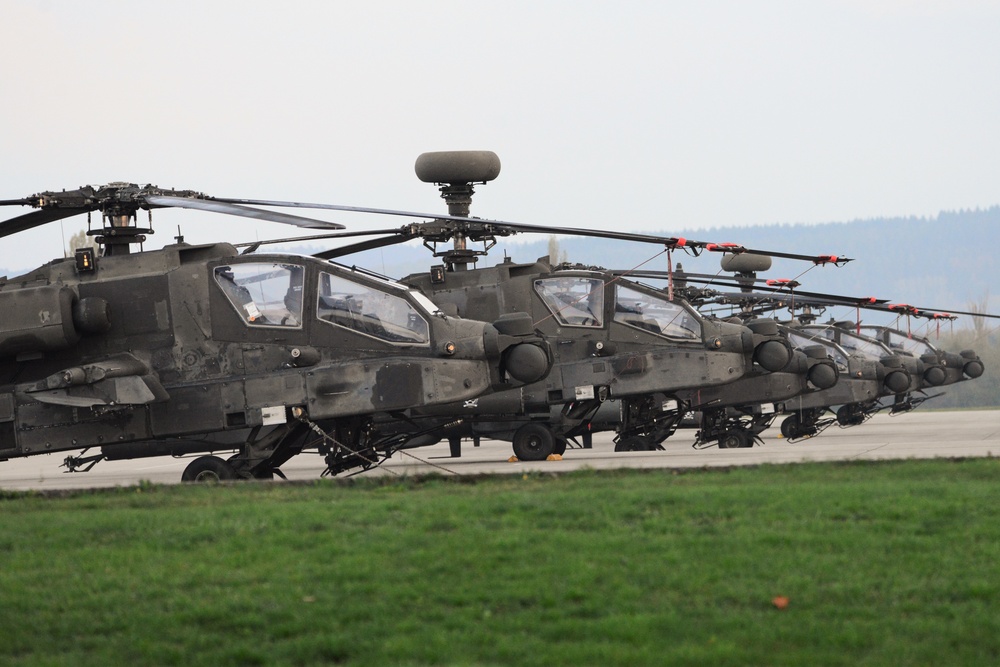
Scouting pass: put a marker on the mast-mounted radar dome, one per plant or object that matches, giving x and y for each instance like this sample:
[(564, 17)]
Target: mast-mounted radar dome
[(457, 167)]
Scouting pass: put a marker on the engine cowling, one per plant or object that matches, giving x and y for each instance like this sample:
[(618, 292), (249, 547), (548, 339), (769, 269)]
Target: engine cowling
[(48, 318)]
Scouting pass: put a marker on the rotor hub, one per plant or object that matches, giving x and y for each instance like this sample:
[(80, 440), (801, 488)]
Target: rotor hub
[(455, 172)]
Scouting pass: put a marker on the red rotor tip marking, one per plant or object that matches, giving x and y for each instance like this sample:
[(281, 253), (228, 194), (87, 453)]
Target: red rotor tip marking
[(724, 247)]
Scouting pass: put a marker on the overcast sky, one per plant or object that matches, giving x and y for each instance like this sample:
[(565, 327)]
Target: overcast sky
[(632, 115)]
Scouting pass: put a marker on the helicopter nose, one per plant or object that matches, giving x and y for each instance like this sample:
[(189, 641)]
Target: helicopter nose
[(973, 366), (934, 375), (821, 372), (894, 378), (897, 381), (772, 355), (526, 362), (823, 375)]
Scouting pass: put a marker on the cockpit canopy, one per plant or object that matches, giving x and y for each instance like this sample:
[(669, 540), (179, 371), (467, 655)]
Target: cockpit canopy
[(268, 294), (578, 301)]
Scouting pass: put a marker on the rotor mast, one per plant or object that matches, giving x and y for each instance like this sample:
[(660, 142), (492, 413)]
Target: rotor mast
[(121, 204), (456, 172)]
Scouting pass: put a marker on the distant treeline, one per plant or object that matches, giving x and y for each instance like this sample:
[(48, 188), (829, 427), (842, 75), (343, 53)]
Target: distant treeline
[(946, 262)]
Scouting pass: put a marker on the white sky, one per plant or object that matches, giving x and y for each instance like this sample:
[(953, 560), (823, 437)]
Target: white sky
[(631, 115)]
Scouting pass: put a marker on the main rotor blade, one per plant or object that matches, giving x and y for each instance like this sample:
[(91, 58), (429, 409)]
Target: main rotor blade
[(35, 219), (349, 209), (773, 286), (518, 227), (244, 211), (362, 245), (317, 237), (868, 303), (786, 293), (514, 226)]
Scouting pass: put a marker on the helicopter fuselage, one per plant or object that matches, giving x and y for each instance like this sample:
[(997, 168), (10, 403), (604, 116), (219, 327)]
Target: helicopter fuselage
[(188, 341)]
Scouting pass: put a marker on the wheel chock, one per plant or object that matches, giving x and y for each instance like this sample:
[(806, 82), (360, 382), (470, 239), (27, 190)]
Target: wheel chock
[(512, 459), (554, 457)]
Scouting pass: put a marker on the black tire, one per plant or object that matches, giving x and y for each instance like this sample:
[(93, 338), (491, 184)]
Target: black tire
[(735, 438), (533, 442), (636, 443), (208, 469), (791, 426)]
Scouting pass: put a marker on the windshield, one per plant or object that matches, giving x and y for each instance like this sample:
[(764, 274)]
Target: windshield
[(833, 351), (264, 293), (574, 301), (897, 341), (864, 346), (655, 313), (369, 310)]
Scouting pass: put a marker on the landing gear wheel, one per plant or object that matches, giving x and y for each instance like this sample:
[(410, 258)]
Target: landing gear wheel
[(848, 415), (533, 442), (208, 469), (636, 443), (735, 438), (791, 426)]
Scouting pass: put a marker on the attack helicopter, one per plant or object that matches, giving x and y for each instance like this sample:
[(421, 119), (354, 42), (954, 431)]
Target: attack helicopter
[(733, 415), (198, 349), (905, 364), (615, 341)]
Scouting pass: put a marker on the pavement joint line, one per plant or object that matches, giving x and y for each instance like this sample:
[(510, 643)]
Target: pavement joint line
[(871, 449)]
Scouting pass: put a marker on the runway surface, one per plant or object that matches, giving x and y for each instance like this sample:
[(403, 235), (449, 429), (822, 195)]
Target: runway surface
[(914, 435)]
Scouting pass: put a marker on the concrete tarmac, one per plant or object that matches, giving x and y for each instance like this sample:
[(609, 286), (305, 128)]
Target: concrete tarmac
[(912, 435)]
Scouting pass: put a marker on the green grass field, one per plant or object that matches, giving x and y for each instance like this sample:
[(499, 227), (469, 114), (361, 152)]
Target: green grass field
[(882, 564)]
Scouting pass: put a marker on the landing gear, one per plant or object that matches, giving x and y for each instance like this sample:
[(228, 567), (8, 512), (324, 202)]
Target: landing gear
[(636, 443), (791, 426), (732, 428), (735, 438), (534, 442), (209, 469), (903, 403), (851, 414), (803, 424), (648, 421)]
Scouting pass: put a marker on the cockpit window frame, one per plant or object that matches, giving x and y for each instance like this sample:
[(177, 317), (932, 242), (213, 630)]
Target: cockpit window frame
[(908, 345), (255, 310), (563, 302), (800, 339), (363, 323), (654, 323)]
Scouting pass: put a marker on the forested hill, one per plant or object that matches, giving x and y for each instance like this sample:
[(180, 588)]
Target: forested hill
[(945, 262)]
